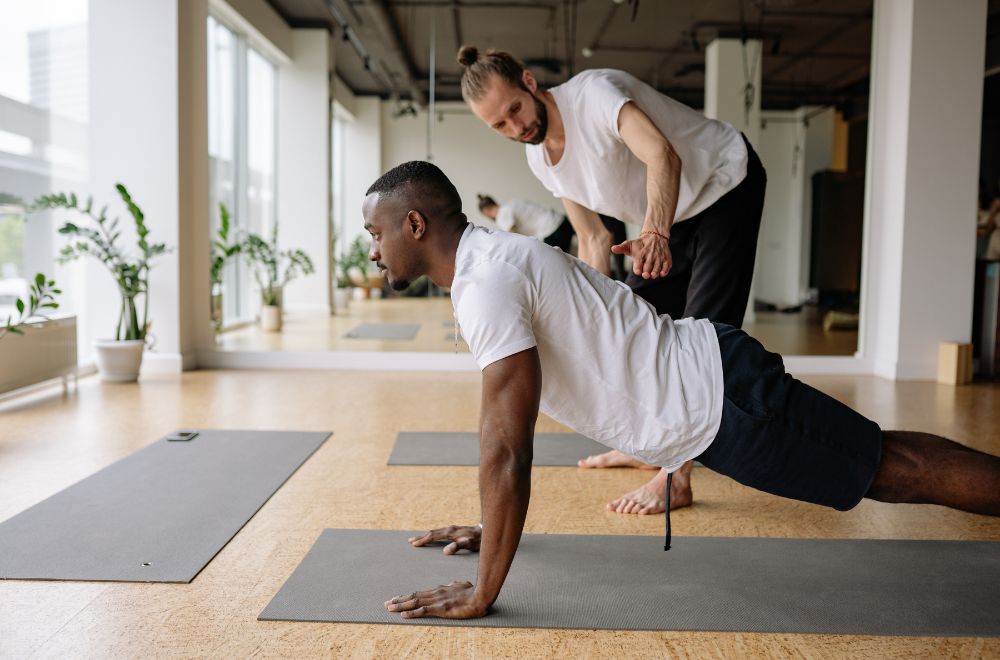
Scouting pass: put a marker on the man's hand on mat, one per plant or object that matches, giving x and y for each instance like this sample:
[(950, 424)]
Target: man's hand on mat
[(457, 537), (650, 254), (449, 601)]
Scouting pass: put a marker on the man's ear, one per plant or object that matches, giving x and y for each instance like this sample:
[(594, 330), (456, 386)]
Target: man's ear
[(528, 78), (416, 223)]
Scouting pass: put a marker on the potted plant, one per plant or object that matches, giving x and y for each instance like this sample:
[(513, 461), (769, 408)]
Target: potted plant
[(342, 283), (42, 297), (222, 252), (342, 292), (359, 268), (274, 269), (118, 359)]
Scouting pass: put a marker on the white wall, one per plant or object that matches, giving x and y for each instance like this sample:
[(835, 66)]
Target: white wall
[(476, 159), (926, 104), (791, 152), (303, 185), (361, 164), (779, 148), (134, 106), (818, 156)]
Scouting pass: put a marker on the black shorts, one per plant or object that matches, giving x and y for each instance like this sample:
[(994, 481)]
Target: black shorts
[(783, 437)]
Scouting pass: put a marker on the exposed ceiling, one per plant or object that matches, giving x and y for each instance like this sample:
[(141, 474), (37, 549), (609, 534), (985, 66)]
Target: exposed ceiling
[(815, 51)]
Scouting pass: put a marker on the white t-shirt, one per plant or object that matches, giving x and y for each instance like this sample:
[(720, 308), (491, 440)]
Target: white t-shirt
[(597, 169), (528, 218), (612, 369)]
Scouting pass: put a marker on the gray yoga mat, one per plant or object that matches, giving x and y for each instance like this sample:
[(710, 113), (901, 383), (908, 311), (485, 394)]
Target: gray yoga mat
[(856, 587), (387, 331), (551, 449), (158, 515)]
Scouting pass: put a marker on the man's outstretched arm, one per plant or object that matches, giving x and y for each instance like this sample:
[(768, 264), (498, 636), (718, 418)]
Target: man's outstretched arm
[(650, 252), (511, 393), (595, 239)]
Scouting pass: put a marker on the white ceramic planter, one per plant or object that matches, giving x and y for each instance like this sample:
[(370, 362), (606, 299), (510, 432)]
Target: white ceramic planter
[(119, 361), (341, 297), (270, 318)]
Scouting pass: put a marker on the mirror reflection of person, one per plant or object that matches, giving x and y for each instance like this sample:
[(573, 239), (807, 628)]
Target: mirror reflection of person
[(522, 216), (539, 324), (606, 142)]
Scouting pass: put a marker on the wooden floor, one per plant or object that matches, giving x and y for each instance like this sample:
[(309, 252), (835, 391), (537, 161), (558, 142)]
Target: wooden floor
[(49, 441), (787, 334)]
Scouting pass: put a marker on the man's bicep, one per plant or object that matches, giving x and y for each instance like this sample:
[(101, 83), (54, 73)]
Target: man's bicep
[(640, 134), (512, 390)]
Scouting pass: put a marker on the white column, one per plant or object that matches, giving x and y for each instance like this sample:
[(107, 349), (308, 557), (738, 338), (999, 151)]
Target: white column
[(732, 94), (147, 117), (923, 168), (730, 66), (304, 104)]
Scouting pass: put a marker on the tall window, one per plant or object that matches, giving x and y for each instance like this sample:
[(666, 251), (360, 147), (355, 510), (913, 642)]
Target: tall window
[(242, 101), (43, 135)]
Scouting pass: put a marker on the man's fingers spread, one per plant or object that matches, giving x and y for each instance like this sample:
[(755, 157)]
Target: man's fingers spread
[(416, 613), (403, 606)]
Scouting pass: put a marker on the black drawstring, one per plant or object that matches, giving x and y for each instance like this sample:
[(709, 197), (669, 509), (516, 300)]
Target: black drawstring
[(666, 544)]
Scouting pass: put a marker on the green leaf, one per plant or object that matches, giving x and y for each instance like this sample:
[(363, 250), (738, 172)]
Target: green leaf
[(20, 306), (40, 280)]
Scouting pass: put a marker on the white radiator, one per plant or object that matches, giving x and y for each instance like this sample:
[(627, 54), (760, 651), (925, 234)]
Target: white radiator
[(46, 350)]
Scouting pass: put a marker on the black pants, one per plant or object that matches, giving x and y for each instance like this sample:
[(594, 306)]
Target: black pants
[(713, 256), (563, 236)]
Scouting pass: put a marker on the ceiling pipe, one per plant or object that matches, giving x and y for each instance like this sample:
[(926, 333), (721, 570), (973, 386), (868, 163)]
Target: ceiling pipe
[(501, 4), (375, 68), (777, 56), (830, 36), (360, 36), (393, 36), (595, 43), (457, 25)]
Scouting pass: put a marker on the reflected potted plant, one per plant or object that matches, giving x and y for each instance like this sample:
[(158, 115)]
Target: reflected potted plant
[(222, 252), (342, 292), (118, 359), (274, 269), (342, 283), (359, 268)]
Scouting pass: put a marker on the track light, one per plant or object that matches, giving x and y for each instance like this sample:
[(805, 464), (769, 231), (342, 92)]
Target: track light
[(587, 52)]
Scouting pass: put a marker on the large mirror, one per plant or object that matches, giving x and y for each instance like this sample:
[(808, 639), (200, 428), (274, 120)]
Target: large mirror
[(804, 67)]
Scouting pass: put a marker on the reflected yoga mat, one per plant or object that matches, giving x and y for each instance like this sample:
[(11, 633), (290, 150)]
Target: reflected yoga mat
[(857, 587), (387, 331), (158, 515), (550, 449)]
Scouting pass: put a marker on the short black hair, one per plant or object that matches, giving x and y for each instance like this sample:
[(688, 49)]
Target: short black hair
[(424, 186)]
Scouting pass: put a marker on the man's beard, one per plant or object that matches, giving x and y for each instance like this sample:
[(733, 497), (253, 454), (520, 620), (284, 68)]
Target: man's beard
[(399, 285), (541, 124)]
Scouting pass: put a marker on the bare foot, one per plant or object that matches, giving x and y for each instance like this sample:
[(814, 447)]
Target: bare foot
[(613, 458), (651, 497)]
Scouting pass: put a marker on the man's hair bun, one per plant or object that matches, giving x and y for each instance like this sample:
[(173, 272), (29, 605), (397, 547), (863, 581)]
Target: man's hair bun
[(467, 55)]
